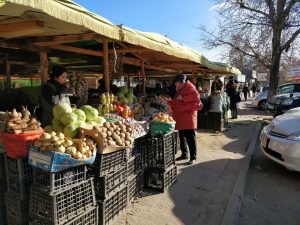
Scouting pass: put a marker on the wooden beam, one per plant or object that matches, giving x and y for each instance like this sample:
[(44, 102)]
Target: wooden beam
[(135, 54), (144, 77), (22, 26), (77, 50), (4, 17), (57, 40), (7, 85), (106, 65), (44, 66)]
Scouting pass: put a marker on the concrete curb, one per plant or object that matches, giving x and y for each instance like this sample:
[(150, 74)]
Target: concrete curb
[(235, 201)]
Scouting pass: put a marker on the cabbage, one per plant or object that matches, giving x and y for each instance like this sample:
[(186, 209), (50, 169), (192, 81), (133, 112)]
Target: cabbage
[(80, 115), (120, 95), (71, 131), (79, 123), (48, 129), (134, 100), (130, 90), (129, 100), (61, 109), (100, 120), (90, 112), (124, 90), (124, 101), (68, 118)]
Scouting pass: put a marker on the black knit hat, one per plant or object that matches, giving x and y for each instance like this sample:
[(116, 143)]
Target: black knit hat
[(180, 78), (56, 71)]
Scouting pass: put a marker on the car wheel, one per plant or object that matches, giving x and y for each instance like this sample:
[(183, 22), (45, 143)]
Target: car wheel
[(262, 104)]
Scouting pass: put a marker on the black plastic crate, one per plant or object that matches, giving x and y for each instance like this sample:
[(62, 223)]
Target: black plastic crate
[(2, 166), (3, 185), (63, 206), (113, 207), (134, 165), (144, 151), (3, 220), (159, 179), (17, 211), (161, 152), (21, 188), (107, 163), (176, 141), (135, 185), (58, 181), (89, 217), (18, 167), (215, 121), (106, 185)]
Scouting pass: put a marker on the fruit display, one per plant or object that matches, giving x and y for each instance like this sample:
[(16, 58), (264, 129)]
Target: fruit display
[(124, 111), (79, 88), (21, 122), (163, 117), (126, 96), (76, 148), (107, 108), (107, 98), (68, 120), (161, 103)]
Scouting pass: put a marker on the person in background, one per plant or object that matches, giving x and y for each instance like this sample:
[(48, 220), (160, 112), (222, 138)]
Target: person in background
[(54, 92), (217, 85), (232, 91), (184, 106), (246, 91), (253, 89)]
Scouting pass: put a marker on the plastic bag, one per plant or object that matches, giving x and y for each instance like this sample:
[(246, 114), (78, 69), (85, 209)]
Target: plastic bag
[(160, 128)]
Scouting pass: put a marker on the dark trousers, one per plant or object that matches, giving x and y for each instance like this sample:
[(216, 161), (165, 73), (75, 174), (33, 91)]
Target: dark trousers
[(188, 138), (245, 95)]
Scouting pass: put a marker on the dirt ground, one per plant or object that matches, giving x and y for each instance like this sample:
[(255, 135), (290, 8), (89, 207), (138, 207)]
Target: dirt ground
[(202, 191)]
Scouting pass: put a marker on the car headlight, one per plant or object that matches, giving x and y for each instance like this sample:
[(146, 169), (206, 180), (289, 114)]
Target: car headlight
[(295, 136), (287, 101)]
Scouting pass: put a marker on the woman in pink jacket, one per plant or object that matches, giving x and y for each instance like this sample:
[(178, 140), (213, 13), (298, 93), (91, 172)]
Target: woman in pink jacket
[(184, 107)]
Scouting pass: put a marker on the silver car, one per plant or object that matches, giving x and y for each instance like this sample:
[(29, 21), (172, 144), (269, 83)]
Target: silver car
[(280, 140)]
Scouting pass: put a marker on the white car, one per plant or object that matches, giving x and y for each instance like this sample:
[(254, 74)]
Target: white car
[(280, 140), (260, 100)]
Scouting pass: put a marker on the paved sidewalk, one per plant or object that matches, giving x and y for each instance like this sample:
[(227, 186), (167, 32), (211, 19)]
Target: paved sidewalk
[(203, 190)]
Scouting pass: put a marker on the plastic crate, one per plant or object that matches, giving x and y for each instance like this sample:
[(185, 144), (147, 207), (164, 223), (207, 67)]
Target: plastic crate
[(106, 185), (63, 206), (134, 165), (159, 179), (107, 163), (58, 181), (144, 151), (20, 188), (113, 207), (3, 220), (176, 141), (3, 185), (2, 166), (16, 210), (135, 185), (161, 152), (18, 167), (89, 217)]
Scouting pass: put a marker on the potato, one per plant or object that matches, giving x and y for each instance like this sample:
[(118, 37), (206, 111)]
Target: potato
[(104, 135), (104, 129), (71, 150), (68, 143), (122, 135), (60, 149), (61, 136), (88, 154), (83, 144), (53, 134), (84, 157), (83, 150), (127, 143), (111, 143), (46, 143), (109, 133), (54, 139), (106, 124), (78, 155), (45, 136)]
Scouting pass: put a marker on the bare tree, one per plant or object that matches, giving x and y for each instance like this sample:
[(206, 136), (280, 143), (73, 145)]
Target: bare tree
[(261, 29)]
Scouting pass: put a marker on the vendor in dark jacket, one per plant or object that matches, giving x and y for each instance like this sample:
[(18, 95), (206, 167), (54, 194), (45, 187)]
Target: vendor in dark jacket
[(54, 92)]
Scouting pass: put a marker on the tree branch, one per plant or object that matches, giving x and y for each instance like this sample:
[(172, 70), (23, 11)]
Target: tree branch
[(287, 44), (290, 6), (244, 6)]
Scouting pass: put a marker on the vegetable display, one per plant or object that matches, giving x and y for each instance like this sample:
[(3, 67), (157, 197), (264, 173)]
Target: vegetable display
[(79, 88)]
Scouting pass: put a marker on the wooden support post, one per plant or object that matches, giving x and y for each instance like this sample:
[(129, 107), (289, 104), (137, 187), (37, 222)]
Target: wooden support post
[(144, 77), (139, 81), (7, 85), (31, 82), (128, 80), (44, 67), (106, 65)]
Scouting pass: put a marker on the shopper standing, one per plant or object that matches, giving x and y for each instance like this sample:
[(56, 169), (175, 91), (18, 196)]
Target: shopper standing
[(184, 106), (54, 92), (253, 89), (217, 85), (246, 91), (232, 91)]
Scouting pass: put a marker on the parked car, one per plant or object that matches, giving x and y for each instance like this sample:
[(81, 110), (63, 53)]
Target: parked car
[(260, 100), (286, 98), (280, 140)]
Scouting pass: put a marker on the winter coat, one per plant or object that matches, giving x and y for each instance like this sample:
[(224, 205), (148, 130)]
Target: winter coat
[(185, 111), (53, 93)]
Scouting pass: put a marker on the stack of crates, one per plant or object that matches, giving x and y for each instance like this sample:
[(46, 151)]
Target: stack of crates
[(63, 198), (2, 191), (161, 171), (135, 166), (19, 179), (110, 174)]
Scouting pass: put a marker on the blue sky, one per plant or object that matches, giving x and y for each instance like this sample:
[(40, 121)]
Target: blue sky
[(175, 18)]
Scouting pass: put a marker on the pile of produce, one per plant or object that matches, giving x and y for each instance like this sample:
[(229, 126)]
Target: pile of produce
[(116, 133), (79, 88), (126, 96), (124, 111), (68, 120), (21, 122), (76, 148), (161, 124), (160, 103), (163, 117)]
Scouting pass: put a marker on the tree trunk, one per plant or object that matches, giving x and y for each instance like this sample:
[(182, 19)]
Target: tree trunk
[(274, 75)]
